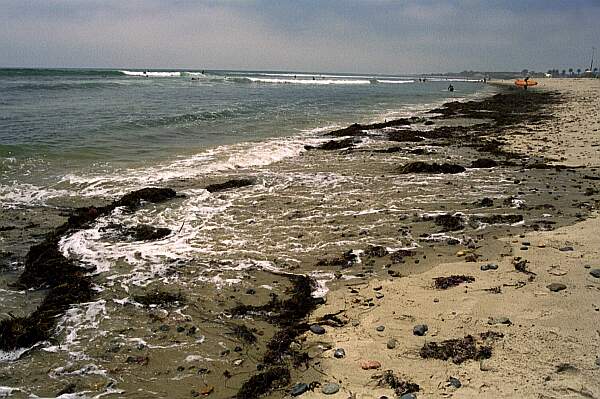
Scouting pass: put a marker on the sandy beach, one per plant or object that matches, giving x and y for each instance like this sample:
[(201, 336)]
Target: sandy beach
[(547, 344)]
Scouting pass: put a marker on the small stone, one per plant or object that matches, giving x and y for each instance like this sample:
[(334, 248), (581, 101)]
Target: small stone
[(330, 388), (452, 241), (237, 349), (379, 295), (595, 273), (339, 353), (526, 243), (370, 364), (250, 291), (164, 327), (555, 287), (436, 300), (317, 329), (180, 329), (238, 362), (471, 258), (380, 328), (524, 248), (420, 329), (492, 266), (460, 253), (542, 246), (391, 344), (455, 382), (598, 362), (299, 389), (587, 266), (355, 323), (566, 249), (408, 396)]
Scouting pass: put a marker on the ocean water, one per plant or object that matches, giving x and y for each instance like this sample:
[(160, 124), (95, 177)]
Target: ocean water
[(84, 132), (70, 138)]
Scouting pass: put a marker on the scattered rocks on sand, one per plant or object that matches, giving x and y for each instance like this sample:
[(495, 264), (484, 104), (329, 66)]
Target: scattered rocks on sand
[(370, 364), (339, 353), (424, 167), (420, 329), (555, 287), (595, 273), (330, 388), (317, 329)]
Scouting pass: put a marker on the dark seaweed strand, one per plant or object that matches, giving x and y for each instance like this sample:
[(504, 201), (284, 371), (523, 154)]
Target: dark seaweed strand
[(290, 315), (47, 267)]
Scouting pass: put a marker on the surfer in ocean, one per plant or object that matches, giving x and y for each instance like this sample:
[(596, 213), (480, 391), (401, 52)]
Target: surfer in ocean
[(450, 88)]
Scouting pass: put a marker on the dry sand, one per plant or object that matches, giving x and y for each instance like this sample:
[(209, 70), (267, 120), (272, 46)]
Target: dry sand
[(551, 347)]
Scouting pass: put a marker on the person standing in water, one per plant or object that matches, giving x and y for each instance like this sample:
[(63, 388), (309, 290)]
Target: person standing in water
[(450, 88)]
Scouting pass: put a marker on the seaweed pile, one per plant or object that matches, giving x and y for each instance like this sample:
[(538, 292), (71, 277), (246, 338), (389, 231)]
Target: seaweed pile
[(67, 283), (290, 316)]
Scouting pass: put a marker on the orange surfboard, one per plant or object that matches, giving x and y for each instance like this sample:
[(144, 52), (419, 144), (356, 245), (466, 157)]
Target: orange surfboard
[(522, 82)]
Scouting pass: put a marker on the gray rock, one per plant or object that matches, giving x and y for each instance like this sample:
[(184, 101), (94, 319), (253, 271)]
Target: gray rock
[(330, 388), (566, 249), (380, 328), (455, 382), (526, 243), (391, 344), (317, 329), (489, 266), (299, 389), (595, 273), (524, 248), (598, 362), (339, 353), (408, 396), (555, 287), (420, 329)]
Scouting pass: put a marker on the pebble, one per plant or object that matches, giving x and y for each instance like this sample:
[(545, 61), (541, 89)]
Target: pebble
[(566, 249), (524, 248), (299, 389), (595, 273), (339, 353), (420, 329), (379, 295), (408, 396), (587, 266), (355, 323), (330, 388), (489, 266), (598, 362), (526, 243), (455, 382), (391, 344), (555, 287), (380, 328), (317, 329), (370, 364)]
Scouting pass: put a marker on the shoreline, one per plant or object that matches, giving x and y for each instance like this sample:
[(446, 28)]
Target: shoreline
[(549, 338)]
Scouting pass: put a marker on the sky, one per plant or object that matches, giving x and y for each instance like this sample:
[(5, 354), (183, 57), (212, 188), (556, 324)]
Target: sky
[(357, 36)]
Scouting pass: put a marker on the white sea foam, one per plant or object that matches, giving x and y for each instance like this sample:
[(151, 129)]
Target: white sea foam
[(316, 81), (19, 195), (152, 74), (220, 159)]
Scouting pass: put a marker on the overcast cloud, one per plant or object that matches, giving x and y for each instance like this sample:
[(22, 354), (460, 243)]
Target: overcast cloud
[(312, 35)]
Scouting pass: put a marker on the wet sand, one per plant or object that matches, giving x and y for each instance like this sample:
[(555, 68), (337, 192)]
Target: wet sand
[(548, 346)]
